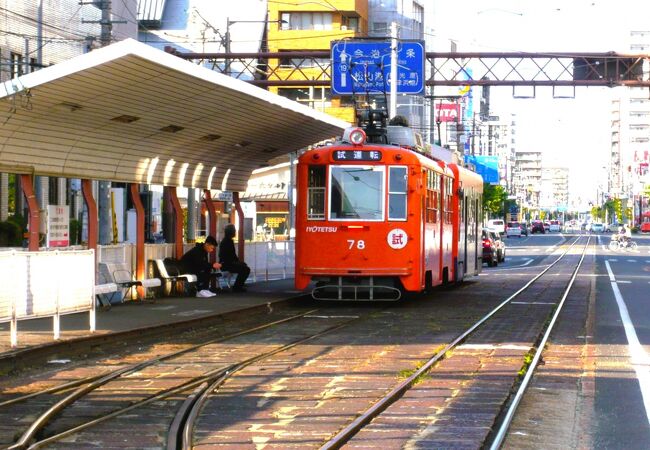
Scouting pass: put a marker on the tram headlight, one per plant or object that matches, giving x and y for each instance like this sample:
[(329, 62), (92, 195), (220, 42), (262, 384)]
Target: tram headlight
[(357, 136)]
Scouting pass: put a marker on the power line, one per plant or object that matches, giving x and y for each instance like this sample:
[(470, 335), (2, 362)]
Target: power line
[(54, 27)]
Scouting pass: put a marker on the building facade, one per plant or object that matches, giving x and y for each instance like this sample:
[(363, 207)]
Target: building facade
[(527, 178), (628, 174), (39, 33), (309, 25), (409, 17)]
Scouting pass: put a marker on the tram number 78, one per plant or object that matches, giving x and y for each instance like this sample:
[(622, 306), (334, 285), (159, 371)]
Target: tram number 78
[(360, 244)]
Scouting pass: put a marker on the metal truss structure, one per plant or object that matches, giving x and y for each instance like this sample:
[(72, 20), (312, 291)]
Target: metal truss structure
[(313, 68)]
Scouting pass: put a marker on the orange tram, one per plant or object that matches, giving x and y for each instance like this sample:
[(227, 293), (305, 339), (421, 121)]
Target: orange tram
[(374, 221)]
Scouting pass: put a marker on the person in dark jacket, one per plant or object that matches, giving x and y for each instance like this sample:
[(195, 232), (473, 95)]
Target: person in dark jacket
[(196, 261), (229, 260)]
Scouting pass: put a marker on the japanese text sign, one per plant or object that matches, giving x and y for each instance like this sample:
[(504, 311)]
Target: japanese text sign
[(360, 67)]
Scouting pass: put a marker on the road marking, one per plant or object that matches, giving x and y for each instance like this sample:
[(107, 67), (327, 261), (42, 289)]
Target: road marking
[(612, 260), (639, 358), (533, 303), (631, 260), (624, 282)]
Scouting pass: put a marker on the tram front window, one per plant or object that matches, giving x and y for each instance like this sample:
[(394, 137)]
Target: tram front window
[(357, 193)]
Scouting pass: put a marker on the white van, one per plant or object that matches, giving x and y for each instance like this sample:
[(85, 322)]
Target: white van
[(497, 225)]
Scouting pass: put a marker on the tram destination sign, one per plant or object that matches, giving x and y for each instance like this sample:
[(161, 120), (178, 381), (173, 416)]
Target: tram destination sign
[(361, 66), (356, 155)]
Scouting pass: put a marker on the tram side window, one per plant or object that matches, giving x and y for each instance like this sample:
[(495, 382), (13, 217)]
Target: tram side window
[(316, 193), (433, 188), (397, 182), (448, 199)]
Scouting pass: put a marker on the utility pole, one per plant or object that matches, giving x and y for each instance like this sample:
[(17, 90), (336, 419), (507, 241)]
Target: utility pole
[(227, 46), (104, 187), (393, 69)]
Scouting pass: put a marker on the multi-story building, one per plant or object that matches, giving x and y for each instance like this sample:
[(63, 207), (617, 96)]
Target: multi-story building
[(36, 34), (527, 177), (628, 173), (312, 25), (409, 17), (554, 192)]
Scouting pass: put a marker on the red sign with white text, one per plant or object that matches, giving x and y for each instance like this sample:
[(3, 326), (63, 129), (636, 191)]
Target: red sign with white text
[(447, 112)]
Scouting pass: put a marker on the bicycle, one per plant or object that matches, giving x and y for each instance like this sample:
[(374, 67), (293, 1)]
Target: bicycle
[(621, 244)]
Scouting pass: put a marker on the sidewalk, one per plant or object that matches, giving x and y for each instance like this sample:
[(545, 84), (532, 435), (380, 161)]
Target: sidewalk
[(36, 335)]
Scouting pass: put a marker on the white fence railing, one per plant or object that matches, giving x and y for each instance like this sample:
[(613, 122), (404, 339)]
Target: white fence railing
[(46, 284), (273, 260), (55, 282)]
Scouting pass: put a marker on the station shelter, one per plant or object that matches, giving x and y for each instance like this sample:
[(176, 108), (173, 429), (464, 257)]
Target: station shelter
[(133, 114)]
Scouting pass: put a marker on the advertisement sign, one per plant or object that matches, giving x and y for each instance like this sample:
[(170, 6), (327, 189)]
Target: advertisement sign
[(361, 66), (58, 226), (447, 112)]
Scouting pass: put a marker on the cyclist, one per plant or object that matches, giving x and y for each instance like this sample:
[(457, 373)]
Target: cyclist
[(625, 235)]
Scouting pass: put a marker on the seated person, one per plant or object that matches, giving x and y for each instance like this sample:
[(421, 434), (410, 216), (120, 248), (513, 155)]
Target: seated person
[(196, 261), (229, 260)]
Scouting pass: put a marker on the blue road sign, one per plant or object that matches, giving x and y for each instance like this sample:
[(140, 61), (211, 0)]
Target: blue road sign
[(360, 67)]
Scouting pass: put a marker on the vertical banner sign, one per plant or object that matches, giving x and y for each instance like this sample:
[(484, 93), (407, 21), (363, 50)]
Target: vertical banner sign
[(468, 99), (58, 226)]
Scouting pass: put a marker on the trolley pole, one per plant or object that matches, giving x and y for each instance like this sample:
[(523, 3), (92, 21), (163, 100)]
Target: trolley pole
[(393, 69)]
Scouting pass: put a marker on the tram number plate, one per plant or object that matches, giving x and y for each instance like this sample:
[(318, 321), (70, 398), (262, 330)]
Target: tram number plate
[(356, 155), (360, 244)]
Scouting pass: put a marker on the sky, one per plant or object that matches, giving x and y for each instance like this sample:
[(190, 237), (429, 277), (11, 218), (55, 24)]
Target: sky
[(571, 132)]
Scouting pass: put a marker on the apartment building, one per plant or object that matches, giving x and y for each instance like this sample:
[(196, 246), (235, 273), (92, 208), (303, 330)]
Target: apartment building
[(308, 25), (628, 174)]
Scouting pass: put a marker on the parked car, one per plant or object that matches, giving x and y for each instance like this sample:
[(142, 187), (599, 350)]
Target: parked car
[(555, 226), (513, 229), (501, 248), (597, 228), (490, 256), (547, 227), (524, 228), (611, 228), (497, 225), (537, 227)]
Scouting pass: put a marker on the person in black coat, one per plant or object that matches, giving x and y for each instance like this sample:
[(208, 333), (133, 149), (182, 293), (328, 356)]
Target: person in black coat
[(229, 260), (196, 261)]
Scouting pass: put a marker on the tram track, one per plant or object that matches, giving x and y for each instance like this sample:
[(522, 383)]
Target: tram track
[(242, 378), (34, 437), (366, 417)]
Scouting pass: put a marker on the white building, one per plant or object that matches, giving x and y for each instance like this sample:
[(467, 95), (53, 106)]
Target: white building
[(630, 137)]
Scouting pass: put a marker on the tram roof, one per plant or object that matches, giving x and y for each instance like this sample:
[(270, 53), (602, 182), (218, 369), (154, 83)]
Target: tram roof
[(131, 113)]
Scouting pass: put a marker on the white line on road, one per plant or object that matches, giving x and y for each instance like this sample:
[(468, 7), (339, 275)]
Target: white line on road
[(623, 281), (533, 303), (612, 260), (631, 260), (640, 359)]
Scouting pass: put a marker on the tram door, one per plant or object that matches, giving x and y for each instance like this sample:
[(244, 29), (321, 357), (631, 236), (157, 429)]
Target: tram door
[(462, 252)]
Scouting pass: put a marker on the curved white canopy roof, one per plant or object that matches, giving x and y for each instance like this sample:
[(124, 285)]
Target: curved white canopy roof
[(129, 112)]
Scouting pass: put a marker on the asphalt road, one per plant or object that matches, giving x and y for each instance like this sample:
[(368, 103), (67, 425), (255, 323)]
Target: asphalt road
[(622, 334)]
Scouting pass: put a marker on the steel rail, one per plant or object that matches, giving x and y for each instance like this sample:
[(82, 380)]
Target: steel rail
[(186, 408), (507, 420), (362, 420), (196, 406), (98, 381)]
